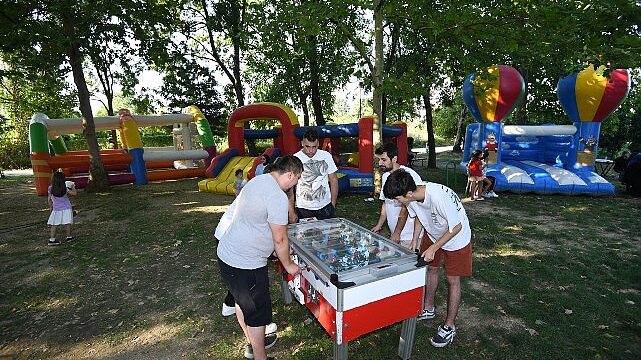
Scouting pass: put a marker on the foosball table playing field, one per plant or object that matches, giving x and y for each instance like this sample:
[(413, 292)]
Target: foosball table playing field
[(354, 281)]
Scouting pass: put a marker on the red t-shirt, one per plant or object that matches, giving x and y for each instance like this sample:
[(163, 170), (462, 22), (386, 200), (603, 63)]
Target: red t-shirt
[(474, 168)]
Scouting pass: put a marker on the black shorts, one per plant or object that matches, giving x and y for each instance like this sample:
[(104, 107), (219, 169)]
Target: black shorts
[(250, 289), (326, 212)]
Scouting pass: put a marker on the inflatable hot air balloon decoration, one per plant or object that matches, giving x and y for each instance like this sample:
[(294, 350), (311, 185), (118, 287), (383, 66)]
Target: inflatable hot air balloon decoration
[(588, 97), (490, 98)]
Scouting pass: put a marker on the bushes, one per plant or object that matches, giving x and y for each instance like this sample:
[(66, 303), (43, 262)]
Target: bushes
[(14, 154)]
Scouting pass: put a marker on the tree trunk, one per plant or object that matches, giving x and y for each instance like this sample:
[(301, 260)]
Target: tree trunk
[(459, 130), (302, 98), (317, 103), (377, 76), (429, 125), (377, 84), (98, 180)]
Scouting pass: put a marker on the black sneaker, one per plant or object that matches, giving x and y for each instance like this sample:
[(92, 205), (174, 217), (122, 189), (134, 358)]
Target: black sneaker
[(53, 242), (444, 336), (270, 341), (69, 238)]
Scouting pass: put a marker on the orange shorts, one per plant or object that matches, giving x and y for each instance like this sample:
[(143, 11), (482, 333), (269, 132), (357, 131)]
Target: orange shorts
[(457, 263)]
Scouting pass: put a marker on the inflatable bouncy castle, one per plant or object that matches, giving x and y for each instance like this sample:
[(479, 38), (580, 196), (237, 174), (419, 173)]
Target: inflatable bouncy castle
[(356, 174), (546, 158)]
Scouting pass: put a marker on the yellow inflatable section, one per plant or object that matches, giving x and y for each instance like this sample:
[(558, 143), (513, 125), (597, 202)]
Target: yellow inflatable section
[(224, 182)]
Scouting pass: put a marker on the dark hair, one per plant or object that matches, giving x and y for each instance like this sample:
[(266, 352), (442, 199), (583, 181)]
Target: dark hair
[(311, 135), (58, 187), (266, 157), (285, 164), (389, 148), (476, 154), (486, 153), (410, 141), (238, 171), (398, 184)]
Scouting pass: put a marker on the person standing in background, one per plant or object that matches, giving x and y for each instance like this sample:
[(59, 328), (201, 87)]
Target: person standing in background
[(317, 190)]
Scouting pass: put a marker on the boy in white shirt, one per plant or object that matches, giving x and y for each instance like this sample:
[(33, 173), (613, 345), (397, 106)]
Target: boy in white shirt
[(441, 214), (401, 228), (317, 190)]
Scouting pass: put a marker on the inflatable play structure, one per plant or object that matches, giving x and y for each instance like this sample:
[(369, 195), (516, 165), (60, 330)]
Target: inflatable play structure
[(133, 163), (355, 174), (547, 158)]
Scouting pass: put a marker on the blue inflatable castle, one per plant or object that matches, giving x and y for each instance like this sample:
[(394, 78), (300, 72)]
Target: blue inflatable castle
[(548, 158)]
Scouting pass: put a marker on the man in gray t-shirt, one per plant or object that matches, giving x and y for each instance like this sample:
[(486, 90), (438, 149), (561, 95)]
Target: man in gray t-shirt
[(253, 229)]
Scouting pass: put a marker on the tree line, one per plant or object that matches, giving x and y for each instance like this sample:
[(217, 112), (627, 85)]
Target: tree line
[(411, 55)]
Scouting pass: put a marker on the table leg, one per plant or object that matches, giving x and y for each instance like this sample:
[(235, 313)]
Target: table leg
[(340, 351), (406, 342), (287, 295)]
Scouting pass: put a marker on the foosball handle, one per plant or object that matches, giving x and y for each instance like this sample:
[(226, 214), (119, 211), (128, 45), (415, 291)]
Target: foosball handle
[(420, 261), (333, 278)]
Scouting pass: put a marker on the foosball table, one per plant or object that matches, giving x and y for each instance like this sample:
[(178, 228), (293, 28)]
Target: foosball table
[(354, 281)]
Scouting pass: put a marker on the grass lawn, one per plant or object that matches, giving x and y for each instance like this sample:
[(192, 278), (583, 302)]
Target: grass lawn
[(555, 277)]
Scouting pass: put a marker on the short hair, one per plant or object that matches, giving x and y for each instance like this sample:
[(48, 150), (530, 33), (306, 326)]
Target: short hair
[(389, 148), (266, 157), (398, 184), (238, 171), (311, 135), (285, 164)]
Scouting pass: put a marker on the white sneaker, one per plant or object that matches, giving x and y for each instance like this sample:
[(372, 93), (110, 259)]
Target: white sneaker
[(271, 329), (228, 310), (493, 194)]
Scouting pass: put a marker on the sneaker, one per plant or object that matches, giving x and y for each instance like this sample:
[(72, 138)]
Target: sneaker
[(53, 242), (228, 310), (493, 194), (427, 314), (270, 341), (444, 336), (480, 198), (69, 238), (271, 329), (487, 195)]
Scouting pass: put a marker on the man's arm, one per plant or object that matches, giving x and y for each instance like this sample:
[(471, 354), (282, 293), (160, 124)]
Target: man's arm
[(291, 211), (429, 253), (281, 247), (400, 224), (333, 187), (381, 219), (417, 232)]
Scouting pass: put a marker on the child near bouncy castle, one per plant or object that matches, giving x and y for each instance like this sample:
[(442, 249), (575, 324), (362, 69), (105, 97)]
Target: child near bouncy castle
[(475, 175), (60, 205), (239, 182), (487, 187)]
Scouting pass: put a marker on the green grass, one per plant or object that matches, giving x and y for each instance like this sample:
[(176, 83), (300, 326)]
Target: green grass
[(554, 277)]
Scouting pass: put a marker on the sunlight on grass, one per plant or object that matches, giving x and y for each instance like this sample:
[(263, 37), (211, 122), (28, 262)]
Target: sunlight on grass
[(505, 250), (97, 348), (186, 203), (578, 209), (206, 209), (514, 228)]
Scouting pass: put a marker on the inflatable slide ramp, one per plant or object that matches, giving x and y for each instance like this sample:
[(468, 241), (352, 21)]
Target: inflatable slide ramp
[(224, 182)]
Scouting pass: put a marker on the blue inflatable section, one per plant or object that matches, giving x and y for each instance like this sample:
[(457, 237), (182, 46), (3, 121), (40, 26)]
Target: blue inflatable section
[(537, 164), (354, 181)]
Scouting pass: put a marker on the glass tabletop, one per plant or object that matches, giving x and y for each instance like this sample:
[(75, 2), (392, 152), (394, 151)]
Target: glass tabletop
[(340, 245)]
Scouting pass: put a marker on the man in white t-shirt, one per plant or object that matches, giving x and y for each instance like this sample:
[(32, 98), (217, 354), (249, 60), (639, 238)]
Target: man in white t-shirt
[(317, 190), (441, 214), (401, 228), (250, 232)]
